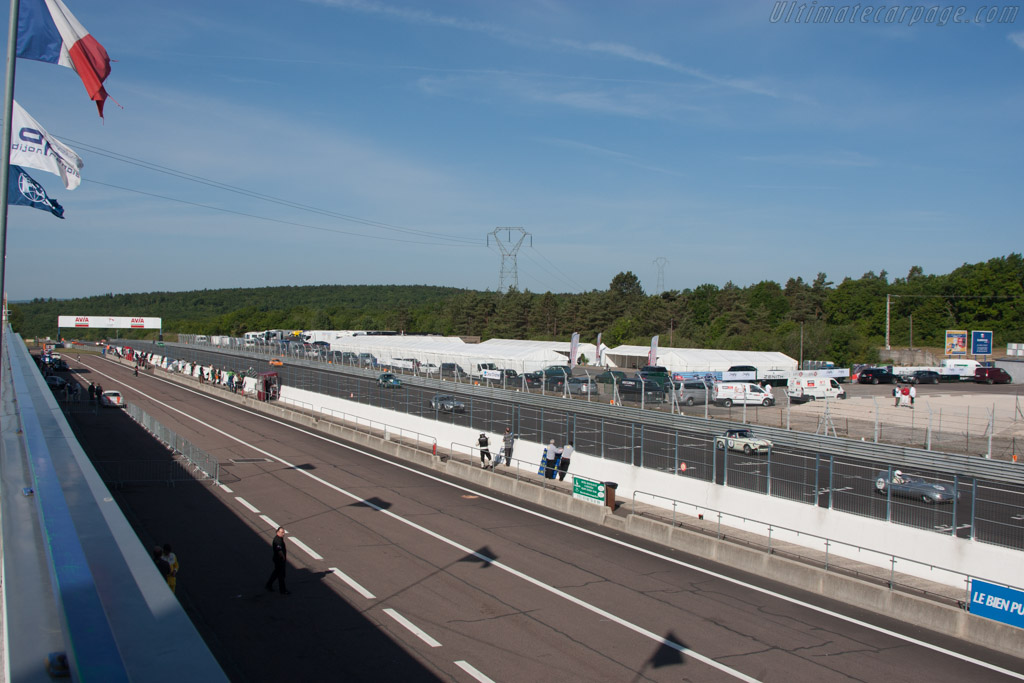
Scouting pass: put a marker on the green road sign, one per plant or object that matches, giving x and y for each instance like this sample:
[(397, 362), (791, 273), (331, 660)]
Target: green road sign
[(588, 490)]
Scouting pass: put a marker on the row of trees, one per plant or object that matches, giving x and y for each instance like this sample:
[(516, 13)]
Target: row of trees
[(844, 323)]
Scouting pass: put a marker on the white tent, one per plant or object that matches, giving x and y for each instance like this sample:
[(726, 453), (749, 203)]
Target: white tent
[(700, 360), (519, 355)]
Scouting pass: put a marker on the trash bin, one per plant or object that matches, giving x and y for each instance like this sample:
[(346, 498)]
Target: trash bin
[(609, 494)]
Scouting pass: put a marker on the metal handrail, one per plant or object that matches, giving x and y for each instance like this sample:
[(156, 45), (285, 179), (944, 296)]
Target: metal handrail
[(893, 558), (384, 427)]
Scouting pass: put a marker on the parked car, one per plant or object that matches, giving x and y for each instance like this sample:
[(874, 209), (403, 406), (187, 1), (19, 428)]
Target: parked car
[(631, 388), (367, 360), (510, 375), (446, 403), (276, 362), (875, 376), (452, 370), (55, 382), (742, 440), (992, 376), (59, 365), (533, 380), (914, 486), (388, 380), (554, 383), (610, 377), (694, 393), (560, 371), (111, 399), (582, 386), (659, 370), (924, 377), (429, 368)]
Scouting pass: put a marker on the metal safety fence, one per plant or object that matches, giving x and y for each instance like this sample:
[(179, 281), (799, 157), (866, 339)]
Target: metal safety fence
[(191, 463)]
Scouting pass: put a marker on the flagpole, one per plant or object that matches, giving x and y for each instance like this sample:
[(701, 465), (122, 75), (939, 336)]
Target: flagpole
[(5, 157)]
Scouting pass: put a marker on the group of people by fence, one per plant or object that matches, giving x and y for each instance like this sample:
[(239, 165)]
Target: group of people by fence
[(554, 462)]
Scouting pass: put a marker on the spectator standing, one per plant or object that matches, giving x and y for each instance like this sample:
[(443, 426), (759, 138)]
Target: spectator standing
[(896, 395), (913, 395), (507, 442), (92, 392), (547, 460), (172, 561), (280, 554), (485, 452), (563, 462), (161, 563)]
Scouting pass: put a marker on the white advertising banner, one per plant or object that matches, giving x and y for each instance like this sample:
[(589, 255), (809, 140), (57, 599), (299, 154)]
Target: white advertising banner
[(109, 322)]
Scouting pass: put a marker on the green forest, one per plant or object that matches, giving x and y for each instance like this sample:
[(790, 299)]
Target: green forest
[(843, 322)]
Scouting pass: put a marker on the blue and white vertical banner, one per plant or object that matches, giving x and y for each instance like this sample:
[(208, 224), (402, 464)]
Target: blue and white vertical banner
[(981, 343), (998, 603), (574, 349)]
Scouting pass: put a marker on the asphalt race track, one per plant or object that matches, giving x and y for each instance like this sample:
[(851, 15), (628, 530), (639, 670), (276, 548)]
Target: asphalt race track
[(398, 574)]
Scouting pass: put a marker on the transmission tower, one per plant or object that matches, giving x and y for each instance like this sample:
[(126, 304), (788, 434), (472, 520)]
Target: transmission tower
[(661, 262), (509, 277)]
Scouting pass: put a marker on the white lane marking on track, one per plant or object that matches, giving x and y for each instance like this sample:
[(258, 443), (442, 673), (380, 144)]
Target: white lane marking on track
[(353, 583), (472, 671), (252, 508), (226, 489), (309, 551), (413, 628), (687, 565), (268, 520)]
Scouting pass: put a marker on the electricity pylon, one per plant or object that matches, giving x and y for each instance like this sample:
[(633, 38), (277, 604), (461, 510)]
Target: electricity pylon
[(509, 277)]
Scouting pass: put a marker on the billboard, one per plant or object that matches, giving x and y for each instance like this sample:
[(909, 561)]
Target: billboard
[(981, 343), (956, 342), (997, 602), (109, 322)]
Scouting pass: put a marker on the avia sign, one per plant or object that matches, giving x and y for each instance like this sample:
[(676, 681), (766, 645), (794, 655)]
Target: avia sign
[(109, 322)]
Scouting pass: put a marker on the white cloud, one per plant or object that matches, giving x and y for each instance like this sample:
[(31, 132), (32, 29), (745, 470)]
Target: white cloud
[(1017, 39)]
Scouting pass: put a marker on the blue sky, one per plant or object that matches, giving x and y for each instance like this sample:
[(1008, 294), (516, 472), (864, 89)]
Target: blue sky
[(615, 133)]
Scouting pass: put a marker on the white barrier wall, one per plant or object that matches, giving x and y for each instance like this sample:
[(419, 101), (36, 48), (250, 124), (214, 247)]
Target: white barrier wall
[(860, 534)]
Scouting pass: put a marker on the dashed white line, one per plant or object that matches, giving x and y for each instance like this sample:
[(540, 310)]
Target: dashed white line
[(472, 671), (353, 584), (309, 551), (413, 628), (226, 488), (247, 504), (268, 520)]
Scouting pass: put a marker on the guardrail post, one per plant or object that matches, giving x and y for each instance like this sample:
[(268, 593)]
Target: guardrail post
[(768, 473), (770, 539), (928, 438), (974, 503), (632, 444), (817, 473), (956, 495), (892, 573), (602, 438), (875, 401), (826, 553), (642, 432)]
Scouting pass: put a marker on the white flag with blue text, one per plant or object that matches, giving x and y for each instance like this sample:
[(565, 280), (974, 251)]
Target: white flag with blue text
[(33, 147)]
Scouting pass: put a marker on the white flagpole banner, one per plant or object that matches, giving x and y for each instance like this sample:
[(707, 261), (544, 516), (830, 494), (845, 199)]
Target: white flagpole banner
[(33, 147)]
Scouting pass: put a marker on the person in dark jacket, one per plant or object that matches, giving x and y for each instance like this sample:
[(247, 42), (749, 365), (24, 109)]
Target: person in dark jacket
[(280, 553), (507, 442), (485, 452)]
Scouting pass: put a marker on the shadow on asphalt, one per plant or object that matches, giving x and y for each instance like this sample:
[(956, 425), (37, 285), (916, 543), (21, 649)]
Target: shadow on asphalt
[(313, 634)]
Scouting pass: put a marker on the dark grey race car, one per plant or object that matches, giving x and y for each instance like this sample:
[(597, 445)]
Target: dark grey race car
[(913, 486)]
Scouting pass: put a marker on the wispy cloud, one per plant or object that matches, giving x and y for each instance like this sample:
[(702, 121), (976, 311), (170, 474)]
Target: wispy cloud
[(1017, 39), (612, 49), (841, 158), (621, 157), (633, 54), (619, 99)]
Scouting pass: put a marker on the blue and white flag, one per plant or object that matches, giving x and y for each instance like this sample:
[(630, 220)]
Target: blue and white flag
[(23, 190)]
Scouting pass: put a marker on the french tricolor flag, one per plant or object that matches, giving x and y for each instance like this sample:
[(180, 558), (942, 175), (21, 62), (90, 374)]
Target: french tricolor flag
[(48, 32)]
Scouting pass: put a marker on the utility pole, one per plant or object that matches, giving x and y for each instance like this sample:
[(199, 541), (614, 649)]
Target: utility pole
[(888, 301), (508, 278)]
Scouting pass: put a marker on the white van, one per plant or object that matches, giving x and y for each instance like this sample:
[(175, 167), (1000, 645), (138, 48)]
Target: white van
[(202, 339), (811, 388), (741, 393)]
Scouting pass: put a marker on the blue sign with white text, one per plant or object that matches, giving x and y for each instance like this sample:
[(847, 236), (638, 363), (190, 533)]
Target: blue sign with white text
[(981, 343), (998, 603)]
